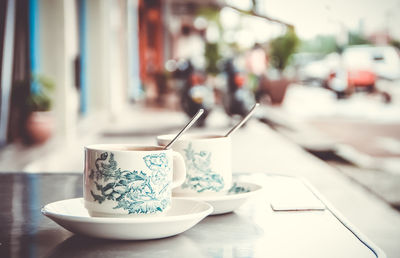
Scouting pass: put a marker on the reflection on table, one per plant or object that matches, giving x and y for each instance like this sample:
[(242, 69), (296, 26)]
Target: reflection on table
[(310, 228)]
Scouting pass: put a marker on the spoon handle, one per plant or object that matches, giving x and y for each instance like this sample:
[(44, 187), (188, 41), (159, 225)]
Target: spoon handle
[(243, 120), (191, 122)]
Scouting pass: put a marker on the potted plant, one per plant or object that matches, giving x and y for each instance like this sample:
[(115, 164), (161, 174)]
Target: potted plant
[(276, 83), (39, 123)]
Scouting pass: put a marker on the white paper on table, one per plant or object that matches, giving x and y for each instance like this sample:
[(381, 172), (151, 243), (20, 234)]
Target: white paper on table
[(291, 194)]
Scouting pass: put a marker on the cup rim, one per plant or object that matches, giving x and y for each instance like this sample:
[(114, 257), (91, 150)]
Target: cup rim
[(121, 147), (192, 137)]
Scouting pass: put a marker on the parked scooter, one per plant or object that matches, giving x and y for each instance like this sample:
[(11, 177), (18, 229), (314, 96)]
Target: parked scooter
[(195, 94), (239, 99)]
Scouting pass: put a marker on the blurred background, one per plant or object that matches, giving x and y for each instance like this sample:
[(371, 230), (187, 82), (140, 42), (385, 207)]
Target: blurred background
[(327, 75)]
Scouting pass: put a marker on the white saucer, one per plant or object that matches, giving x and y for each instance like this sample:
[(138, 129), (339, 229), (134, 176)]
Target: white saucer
[(73, 216), (229, 202)]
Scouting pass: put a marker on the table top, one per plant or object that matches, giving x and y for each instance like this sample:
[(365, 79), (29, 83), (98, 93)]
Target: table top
[(289, 218)]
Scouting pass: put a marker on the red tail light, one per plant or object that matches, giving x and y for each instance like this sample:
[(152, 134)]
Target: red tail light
[(239, 80), (195, 79)]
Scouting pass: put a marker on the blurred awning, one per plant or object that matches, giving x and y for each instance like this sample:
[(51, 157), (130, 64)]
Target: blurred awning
[(189, 7)]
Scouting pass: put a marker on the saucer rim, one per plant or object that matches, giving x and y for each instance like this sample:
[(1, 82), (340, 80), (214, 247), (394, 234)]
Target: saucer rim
[(224, 197), (209, 209)]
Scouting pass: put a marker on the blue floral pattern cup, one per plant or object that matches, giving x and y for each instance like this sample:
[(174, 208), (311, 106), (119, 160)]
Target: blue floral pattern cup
[(208, 163), (122, 180)]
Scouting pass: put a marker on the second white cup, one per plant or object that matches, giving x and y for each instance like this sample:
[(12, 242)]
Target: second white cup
[(208, 163)]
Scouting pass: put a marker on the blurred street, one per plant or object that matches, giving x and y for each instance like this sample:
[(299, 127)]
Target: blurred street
[(349, 188), (343, 133)]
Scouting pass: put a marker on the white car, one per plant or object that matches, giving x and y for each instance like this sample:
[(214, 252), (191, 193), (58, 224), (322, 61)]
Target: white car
[(386, 61)]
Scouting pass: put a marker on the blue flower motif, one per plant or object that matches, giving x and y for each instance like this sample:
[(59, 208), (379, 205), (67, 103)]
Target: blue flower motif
[(236, 189), (134, 191), (200, 177)]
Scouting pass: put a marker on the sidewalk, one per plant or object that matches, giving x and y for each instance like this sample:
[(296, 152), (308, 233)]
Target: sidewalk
[(256, 149)]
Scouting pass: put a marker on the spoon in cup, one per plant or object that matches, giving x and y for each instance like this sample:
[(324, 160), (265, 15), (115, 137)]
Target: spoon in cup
[(187, 126), (243, 120)]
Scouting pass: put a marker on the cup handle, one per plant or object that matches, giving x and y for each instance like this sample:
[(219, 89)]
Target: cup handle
[(179, 174)]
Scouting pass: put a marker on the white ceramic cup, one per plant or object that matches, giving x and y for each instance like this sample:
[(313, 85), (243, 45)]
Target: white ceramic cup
[(121, 179), (208, 163)]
